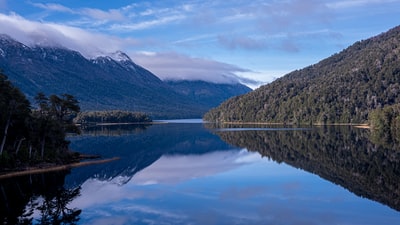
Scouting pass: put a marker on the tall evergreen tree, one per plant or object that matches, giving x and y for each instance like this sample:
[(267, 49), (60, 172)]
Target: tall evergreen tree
[(38, 134), (14, 110), (54, 118)]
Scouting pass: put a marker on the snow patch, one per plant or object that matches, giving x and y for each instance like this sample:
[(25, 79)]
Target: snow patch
[(120, 56)]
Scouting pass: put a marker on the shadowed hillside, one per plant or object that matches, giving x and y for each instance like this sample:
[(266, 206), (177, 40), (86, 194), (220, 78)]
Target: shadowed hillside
[(112, 82)]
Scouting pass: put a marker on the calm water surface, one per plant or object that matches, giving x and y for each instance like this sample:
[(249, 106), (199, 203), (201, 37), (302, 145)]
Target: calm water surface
[(194, 173)]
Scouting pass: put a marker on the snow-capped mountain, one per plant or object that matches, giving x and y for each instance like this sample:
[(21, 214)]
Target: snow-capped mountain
[(109, 81)]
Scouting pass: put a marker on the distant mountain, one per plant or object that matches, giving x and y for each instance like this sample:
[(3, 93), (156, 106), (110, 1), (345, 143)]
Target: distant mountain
[(107, 82), (340, 89), (211, 94)]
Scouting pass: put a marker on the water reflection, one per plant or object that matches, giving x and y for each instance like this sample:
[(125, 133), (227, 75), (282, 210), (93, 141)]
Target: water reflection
[(113, 129), (173, 169), (342, 155), (237, 187), (186, 174), (38, 199), (138, 149)]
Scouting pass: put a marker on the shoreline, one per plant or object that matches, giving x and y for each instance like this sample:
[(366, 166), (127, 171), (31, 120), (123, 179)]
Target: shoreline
[(356, 125), (110, 124), (53, 168), (363, 126)]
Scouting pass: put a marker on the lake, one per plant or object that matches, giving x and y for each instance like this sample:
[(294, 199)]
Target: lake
[(188, 172)]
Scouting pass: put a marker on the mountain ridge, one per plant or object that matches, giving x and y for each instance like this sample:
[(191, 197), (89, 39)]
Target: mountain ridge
[(342, 88), (107, 82)]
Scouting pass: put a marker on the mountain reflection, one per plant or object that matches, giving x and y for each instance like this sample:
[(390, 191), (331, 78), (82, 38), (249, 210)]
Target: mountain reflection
[(342, 155), (139, 148)]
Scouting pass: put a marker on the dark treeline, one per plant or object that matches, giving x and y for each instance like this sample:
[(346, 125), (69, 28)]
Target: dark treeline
[(113, 116), (342, 155), (30, 136)]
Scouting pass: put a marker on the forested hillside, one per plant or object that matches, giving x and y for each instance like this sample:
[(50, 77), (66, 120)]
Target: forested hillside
[(340, 89)]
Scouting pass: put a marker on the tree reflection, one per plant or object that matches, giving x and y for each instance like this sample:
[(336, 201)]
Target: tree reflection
[(38, 199), (113, 129), (54, 209), (342, 155)]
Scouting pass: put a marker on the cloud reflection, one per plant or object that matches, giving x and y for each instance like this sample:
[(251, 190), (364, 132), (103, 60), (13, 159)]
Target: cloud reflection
[(169, 169), (172, 169), (223, 187), (93, 193)]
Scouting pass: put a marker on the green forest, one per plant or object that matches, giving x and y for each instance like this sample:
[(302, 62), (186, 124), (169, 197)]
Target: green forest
[(385, 124), (112, 116), (343, 88), (31, 136)]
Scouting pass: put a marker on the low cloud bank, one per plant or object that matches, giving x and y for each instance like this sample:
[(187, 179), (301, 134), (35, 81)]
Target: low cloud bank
[(174, 66), (30, 33), (168, 66)]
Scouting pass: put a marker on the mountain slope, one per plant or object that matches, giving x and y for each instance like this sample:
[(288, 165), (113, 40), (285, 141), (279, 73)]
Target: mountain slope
[(340, 89), (204, 92), (103, 83)]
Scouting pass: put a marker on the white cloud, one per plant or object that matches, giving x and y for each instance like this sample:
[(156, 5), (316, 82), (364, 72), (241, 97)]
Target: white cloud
[(174, 66), (266, 76), (53, 7), (128, 27), (195, 40), (112, 14), (91, 44), (88, 43), (355, 3), (97, 14), (128, 18)]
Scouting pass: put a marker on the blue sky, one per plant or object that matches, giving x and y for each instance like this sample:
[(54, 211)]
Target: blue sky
[(253, 42)]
